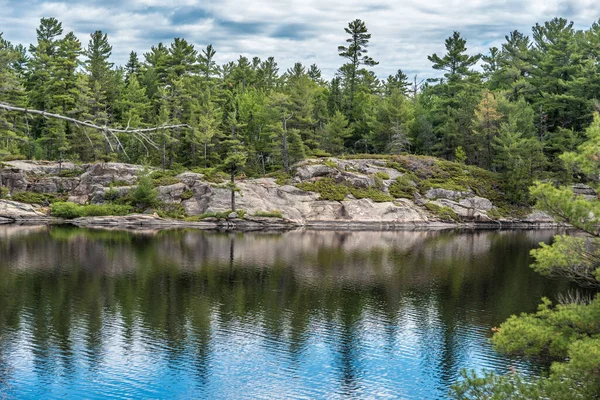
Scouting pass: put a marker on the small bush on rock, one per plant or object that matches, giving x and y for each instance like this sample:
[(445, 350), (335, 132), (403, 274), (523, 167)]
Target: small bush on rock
[(371, 193), (403, 187), (269, 214), (144, 195), (218, 215), (327, 189), (169, 210), (42, 199), (382, 175), (69, 210), (444, 213)]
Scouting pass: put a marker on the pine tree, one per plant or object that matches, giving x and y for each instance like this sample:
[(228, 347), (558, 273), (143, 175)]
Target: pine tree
[(356, 54), (390, 133), (267, 74), (13, 140), (399, 82), (455, 62), (133, 67), (335, 133), (100, 77)]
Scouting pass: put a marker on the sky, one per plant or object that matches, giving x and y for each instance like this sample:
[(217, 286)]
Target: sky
[(404, 32)]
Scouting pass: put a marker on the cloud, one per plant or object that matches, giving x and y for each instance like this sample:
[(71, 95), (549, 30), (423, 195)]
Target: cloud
[(309, 31)]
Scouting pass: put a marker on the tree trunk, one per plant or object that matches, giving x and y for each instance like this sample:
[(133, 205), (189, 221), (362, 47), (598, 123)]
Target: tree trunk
[(233, 191), (286, 162), (205, 162)]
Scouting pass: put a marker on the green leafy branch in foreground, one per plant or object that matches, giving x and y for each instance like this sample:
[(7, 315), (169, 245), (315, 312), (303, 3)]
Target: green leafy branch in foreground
[(574, 257), (569, 334)]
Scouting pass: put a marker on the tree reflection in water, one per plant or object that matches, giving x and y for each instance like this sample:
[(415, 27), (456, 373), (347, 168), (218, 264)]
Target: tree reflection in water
[(331, 312)]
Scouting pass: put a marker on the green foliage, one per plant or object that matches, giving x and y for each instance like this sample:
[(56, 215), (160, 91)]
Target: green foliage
[(514, 386), (371, 193), (69, 173), (188, 194), (566, 333), (532, 102), (119, 183), (382, 175), (281, 178), (13, 157), (217, 215), (336, 131), (366, 156), (144, 195), (241, 213), (69, 210), (4, 192), (327, 189), (164, 178), (66, 210), (42, 199), (330, 164), (444, 213), (577, 258), (164, 181), (169, 210), (460, 155), (269, 214), (404, 187), (112, 194), (212, 175), (318, 153)]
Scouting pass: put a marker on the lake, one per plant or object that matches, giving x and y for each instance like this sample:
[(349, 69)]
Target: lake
[(302, 314)]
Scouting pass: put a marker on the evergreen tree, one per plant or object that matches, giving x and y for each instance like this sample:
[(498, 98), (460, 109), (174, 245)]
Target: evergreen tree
[(13, 133), (398, 82), (356, 54), (133, 67), (100, 77), (336, 131), (456, 63)]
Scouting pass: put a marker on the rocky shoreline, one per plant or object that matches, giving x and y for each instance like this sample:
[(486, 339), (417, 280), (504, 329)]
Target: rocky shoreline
[(296, 208)]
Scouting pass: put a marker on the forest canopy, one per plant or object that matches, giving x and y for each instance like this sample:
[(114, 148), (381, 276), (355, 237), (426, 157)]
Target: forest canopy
[(513, 110)]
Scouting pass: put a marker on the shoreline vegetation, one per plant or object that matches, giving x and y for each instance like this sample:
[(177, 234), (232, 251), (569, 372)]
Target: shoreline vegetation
[(385, 192)]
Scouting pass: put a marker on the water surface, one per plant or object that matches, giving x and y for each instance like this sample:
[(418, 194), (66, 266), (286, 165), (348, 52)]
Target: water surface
[(190, 314)]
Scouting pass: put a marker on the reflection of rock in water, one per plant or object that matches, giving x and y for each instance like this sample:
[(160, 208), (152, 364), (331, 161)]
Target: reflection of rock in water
[(411, 257), (14, 231)]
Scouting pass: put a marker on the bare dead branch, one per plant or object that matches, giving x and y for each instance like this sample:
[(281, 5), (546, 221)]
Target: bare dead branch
[(88, 124)]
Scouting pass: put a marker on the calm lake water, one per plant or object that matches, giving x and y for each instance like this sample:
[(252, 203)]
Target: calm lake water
[(190, 314)]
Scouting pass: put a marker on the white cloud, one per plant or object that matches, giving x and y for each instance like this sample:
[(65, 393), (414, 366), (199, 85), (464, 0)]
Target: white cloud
[(404, 33)]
